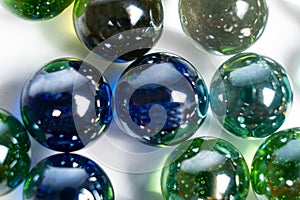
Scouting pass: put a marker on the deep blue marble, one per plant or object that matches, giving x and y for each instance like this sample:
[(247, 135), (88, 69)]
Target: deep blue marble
[(66, 104), (67, 177), (161, 99)]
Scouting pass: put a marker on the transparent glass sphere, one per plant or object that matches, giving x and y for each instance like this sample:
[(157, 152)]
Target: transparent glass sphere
[(275, 166), (223, 27), (117, 30), (161, 99), (66, 104), (14, 152), (250, 95), (205, 168)]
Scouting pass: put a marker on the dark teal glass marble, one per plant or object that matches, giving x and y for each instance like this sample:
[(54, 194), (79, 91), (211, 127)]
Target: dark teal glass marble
[(205, 168), (161, 99), (14, 152), (250, 95), (275, 167), (224, 27), (67, 177), (118, 30), (66, 104)]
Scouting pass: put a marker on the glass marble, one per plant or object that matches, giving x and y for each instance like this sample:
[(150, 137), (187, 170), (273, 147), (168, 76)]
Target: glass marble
[(14, 152), (37, 9), (275, 167), (205, 168), (66, 104), (224, 27), (250, 95), (161, 99), (118, 30), (67, 176)]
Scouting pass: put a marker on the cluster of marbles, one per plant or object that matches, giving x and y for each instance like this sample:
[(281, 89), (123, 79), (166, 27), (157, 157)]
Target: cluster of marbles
[(250, 95), (37, 9), (205, 168), (161, 99), (67, 176), (66, 104), (224, 27), (275, 167), (118, 30), (14, 152)]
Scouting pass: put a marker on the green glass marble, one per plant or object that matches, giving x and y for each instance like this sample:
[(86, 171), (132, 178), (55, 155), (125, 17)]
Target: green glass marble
[(205, 168), (250, 95), (37, 9), (275, 167), (224, 27), (14, 152)]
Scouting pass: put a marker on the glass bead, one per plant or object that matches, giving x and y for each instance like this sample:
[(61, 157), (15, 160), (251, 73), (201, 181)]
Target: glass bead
[(250, 95), (14, 152), (205, 168), (223, 27), (161, 99), (67, 176), (118, 30), (66, 104), (275, 166), (37, 9)]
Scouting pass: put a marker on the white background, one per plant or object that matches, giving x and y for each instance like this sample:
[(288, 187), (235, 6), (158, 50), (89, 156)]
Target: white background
[(134, 168)]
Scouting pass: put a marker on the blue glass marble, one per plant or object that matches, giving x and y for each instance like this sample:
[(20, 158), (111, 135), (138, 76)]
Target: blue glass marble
[(161, 99), (66, 104), (250, 95), (69, 177), (14, 152)]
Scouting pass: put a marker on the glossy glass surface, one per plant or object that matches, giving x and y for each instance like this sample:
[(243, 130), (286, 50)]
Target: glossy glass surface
[(118, 30), (224, 27), (250, 95), (14, 152), (161, 98), (37, 9), (67, 177), (275, 167), (205, 168), (66, 104)]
